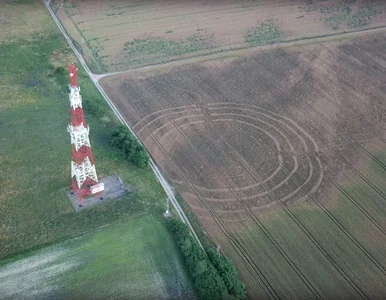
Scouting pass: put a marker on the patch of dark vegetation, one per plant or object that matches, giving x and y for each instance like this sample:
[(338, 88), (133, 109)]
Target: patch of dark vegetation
[(139, 50), (228, 273), (342, 15), (361, 17), (123, 139), (265, 33), (214, 275), (207, 281), (94, 106)]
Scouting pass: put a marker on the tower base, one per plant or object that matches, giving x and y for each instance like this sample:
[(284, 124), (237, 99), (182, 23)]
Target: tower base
[(167, 214), (114, 189)]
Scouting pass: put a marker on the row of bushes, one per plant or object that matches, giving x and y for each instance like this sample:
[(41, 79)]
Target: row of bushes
[(214, 275), (123, 139), (228, 273)]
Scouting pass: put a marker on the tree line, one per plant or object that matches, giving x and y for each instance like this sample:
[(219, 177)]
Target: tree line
[(214, 275)]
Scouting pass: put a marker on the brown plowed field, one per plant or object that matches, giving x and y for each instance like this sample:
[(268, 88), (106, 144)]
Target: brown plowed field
[(282, 156), (128, 34)]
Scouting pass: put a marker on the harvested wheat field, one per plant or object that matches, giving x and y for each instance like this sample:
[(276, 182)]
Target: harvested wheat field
[(127, 34), (282, 157)]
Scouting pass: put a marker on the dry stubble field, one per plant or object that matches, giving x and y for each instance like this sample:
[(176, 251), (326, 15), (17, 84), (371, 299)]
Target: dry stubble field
[(282, 156), (117, 35)]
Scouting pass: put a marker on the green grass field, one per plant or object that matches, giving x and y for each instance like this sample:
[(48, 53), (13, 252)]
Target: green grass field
[(35, 147), (136, 256), (122, 261)]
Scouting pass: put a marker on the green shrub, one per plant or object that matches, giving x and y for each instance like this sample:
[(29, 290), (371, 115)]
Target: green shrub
[(123, 139), (140, 157), (93, 106), (362, 17), (207, 281), (60, 70), (228, 273), (265, 33)]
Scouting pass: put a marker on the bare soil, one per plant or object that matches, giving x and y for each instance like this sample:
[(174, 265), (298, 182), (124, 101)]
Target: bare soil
[(278, 132)]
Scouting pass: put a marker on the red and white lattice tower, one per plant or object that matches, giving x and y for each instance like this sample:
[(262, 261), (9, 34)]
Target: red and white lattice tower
[(83, 171)]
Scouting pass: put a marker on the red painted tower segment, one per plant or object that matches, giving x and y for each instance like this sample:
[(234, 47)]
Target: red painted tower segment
[(83, 171), (72, 71)]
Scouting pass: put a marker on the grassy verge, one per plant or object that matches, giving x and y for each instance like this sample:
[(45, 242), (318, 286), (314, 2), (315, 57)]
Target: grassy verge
[(119, 261)]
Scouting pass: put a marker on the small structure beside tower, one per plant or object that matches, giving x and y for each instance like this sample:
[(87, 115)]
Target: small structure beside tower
[(83, 172)]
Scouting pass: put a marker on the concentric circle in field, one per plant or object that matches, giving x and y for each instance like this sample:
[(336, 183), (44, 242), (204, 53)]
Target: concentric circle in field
[(233, 156)]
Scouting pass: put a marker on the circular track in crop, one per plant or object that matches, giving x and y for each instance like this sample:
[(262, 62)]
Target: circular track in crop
[(231, 157)]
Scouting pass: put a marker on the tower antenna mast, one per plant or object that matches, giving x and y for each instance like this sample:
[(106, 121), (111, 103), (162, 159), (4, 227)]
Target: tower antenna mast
[(83, 171)]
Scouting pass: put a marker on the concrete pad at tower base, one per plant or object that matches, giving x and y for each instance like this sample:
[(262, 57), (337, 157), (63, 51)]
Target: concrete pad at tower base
[(114, 188)]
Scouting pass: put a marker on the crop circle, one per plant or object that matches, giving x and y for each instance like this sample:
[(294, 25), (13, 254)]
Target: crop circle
[(235, 157)]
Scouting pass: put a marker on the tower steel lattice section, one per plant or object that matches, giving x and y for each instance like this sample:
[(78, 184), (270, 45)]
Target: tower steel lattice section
[(83, 172)]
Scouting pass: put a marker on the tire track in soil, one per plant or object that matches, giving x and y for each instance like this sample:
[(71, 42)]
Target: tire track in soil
[(220, 176), (289, 261), (193, 122), (339, 225), (266, 132), (248, 261), (309, 235), (328, 98), (261, 121), (325, 143), (318, 246), (361, 208), (302, 226), (286, 257), (355, 241)]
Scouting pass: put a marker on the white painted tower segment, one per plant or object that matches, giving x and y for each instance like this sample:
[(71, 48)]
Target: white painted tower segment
[(75, 97), (79, 136), (82, 171)]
